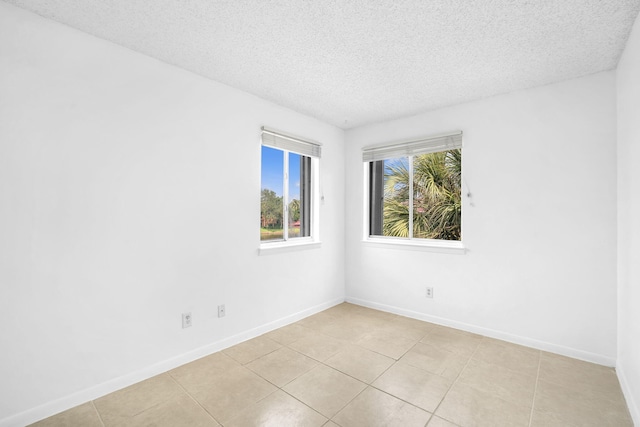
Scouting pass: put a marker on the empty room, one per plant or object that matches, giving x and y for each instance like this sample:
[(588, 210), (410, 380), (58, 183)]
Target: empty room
[(320, 213)]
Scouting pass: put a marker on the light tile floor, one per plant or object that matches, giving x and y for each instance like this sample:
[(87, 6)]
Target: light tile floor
[(353, 366)]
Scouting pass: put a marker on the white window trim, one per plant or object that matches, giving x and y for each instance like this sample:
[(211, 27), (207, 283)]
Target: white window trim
[(429, 245), (288, 246), (297, 243), (386, 242)]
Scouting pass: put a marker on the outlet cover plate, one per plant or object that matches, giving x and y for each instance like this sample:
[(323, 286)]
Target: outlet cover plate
[(186, 320)]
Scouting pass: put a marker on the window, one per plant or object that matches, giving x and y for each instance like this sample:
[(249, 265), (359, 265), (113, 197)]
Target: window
[(287, 194), (415, 189)]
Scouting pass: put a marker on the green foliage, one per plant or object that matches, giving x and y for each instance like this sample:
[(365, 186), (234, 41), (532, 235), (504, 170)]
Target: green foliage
[(437, 203), (270, 209), (294, 210)]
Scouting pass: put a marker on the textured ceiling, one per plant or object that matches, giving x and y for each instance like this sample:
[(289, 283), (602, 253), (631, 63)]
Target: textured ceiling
[(351, 62)]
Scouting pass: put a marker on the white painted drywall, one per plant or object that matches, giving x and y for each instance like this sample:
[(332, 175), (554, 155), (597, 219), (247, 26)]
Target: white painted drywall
[(628, 85), (541, 236), (129, 193)]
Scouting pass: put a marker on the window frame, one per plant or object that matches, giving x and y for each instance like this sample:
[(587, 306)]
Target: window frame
[(408, 149), (311, 150)]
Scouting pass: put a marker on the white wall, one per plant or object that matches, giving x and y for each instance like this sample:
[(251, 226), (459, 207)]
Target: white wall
[(129, 193), (541, 262), (628, 85)]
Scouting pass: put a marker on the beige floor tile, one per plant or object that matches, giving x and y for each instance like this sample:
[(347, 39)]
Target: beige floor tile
[(348, 329), (344, 308), (493, 381), (439, 422), (413, 385), (512, 356), (542, 419), (282, 366), (387, 343), (319, 346), (118, 407), (573, 407), (409, 322), (278, 410), (200, 374), (409, 328), (317, 321), (81, 415), (225, 394), (288, 334), (360, 363), (374, 408), (181, 411), (375, 314), (453, 340), (578, 375), (325, 389), (467, 406), (252, 349), (435, 360), (512, 386)]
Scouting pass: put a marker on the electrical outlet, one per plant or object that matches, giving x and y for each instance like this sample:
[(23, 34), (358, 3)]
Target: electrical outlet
[(221, 310), (429, 293), (186, 320)]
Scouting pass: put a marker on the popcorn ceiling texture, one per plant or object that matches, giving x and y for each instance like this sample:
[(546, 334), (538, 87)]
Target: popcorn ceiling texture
[(352, 62)]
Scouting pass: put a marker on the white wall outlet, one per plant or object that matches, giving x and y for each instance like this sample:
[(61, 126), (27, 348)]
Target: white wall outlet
[(429, 293), (186, 320), (221, 310)]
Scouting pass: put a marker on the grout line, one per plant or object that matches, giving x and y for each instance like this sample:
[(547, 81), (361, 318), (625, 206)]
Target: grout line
[(313, 409), (193, 398), (456, 379), (95, 408), (535, 389)]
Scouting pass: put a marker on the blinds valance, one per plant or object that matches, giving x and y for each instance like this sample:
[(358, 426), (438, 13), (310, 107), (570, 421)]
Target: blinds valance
[(432, 144), (276, 139)]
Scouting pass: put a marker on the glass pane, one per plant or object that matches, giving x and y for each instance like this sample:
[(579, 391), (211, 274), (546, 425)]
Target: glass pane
[(395, 215), (272, 179), (437, 193), (295, 207)]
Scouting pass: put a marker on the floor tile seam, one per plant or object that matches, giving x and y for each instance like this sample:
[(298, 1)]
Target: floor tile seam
[(297, 339), (306, 355), (497, 395), (400, 398), (307, 405), (347, 404), (197, 402), (95, 408), (589, 391), (262, 355), (345, 373), (435, 373), (162, 401), (438, 416), (581, 386), (515, 371), (397, 398), (383, 372), (386, 355), (288, 382), (243, 410), (535, 389), (454, 383)]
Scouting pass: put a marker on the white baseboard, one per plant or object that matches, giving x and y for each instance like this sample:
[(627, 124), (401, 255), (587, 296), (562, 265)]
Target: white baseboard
[(516, 339), (67, 402), (632, 401)]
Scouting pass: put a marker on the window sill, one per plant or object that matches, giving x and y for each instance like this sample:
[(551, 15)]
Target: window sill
[(441, 246), (280, 247)]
